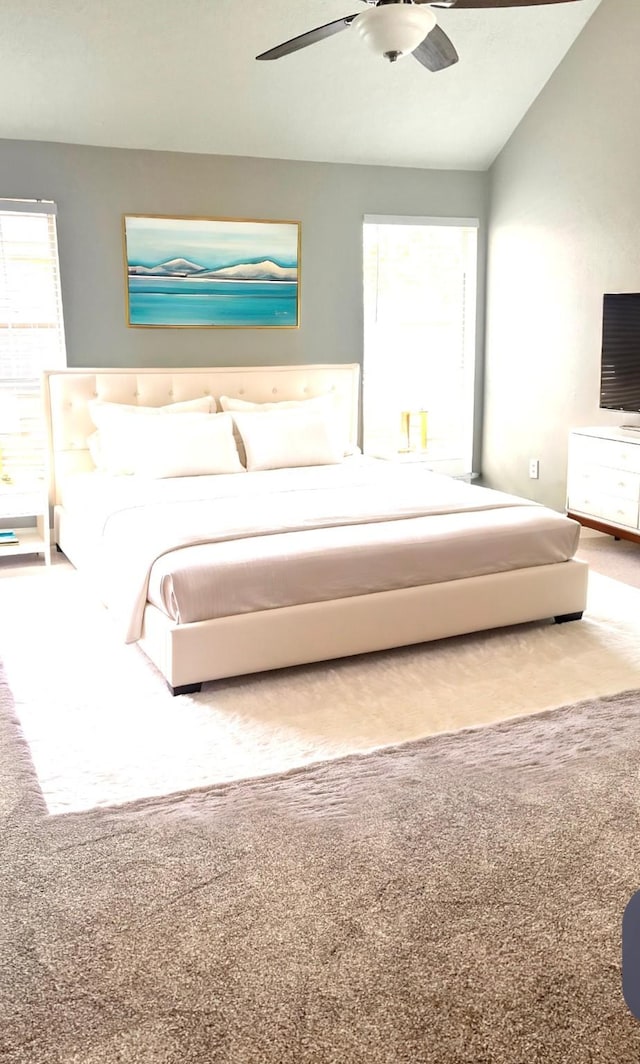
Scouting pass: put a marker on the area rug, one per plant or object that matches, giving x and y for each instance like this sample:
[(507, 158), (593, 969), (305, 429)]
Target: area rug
[(103, 727), (456, 900)]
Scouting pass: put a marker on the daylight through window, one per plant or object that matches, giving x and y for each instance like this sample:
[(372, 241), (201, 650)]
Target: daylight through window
[(420, 339), (31, 331)]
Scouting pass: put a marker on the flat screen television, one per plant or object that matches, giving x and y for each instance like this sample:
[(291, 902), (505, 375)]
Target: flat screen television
[(620, 365)]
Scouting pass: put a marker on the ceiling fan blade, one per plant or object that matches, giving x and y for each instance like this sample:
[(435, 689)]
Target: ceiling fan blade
[(436, 51), (310, 37), (462, 4)]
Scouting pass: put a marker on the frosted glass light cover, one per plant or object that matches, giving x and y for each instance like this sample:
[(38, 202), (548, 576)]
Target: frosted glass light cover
[(396, 28)]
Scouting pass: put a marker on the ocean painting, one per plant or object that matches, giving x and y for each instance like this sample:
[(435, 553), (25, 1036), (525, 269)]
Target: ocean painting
[(212, 272)]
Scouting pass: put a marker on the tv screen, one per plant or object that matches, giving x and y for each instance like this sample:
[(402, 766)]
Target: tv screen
[(620, 367)]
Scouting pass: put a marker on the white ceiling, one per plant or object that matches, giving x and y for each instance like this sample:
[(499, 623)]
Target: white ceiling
[(180, 75)]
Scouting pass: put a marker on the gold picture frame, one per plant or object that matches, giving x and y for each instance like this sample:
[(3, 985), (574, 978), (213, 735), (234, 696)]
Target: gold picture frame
[(188, 272)]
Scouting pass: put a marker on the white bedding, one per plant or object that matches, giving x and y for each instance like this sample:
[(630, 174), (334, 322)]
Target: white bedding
[(253, 541)]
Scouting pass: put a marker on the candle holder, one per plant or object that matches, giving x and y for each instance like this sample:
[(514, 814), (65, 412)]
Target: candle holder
[(413, 428)]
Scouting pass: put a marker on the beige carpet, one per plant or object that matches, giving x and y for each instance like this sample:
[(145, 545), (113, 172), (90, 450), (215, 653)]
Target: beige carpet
[(103, 729), (452, 901), (619, 559)]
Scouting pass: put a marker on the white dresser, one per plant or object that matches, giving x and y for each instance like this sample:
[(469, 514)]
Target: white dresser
[(603, 480)]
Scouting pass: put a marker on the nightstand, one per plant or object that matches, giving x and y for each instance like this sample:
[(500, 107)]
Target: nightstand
[(18, 502), (433, 460)]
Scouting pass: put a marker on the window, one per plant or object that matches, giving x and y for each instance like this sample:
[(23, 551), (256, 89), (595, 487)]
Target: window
[(420, 338), (31, 331)]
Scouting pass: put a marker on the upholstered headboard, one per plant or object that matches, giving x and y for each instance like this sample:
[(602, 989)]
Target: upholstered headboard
[(67, 392)]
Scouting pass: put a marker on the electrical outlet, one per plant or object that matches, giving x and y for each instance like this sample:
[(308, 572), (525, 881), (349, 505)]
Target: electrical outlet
[(534, 468)]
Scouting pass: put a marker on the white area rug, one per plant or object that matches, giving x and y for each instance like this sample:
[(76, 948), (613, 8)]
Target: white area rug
[(103, 728)]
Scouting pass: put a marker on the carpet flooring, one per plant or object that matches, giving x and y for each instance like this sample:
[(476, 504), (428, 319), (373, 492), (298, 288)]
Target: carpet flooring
[(617, 558), (103, 728), (456, 900)]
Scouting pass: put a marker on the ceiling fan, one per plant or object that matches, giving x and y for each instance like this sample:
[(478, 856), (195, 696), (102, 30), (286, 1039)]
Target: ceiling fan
[(395, 28)]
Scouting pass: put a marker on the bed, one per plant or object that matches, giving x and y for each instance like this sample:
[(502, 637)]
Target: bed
[(218, 575)]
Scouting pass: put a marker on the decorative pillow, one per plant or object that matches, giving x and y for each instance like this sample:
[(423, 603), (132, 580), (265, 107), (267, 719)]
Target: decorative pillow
[(277, 439), (110, 446), (188, 446)]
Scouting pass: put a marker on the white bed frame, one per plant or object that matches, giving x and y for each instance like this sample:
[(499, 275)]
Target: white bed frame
[(189, 654)]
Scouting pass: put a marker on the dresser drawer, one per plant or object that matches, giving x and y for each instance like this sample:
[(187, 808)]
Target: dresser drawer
[(605, 481), (613, 454), (607, 507)]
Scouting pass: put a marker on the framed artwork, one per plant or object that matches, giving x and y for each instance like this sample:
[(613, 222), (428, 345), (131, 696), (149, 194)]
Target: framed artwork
[(226, 273)]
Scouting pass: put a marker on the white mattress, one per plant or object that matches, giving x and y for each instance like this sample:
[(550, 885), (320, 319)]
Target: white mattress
[(479, 531)]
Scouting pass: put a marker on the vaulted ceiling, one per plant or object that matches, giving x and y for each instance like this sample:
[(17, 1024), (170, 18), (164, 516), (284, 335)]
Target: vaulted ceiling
[(180, 75)]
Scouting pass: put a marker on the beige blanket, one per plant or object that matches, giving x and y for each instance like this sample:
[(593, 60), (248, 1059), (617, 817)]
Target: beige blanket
[(252, 505)]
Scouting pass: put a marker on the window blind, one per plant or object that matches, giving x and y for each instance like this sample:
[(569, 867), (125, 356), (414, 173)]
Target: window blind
[(31, 331), (419, 335)]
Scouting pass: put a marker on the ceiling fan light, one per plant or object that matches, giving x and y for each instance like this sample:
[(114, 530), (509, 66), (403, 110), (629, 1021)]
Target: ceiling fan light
[(394, 30)]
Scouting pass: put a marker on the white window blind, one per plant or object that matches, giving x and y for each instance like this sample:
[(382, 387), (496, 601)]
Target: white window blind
[(419, 336), (31, 331)]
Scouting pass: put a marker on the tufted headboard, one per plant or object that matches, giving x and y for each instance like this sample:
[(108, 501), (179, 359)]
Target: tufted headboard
[(67, 391)]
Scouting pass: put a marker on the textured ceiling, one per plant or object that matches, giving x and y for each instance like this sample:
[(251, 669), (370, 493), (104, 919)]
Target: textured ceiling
[(181, 75)]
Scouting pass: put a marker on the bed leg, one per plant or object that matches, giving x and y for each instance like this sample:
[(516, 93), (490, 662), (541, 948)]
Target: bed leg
[(562, 618), (185, 688)]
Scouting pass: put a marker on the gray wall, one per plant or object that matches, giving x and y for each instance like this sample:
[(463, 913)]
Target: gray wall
[(94, 187), (564, 229)]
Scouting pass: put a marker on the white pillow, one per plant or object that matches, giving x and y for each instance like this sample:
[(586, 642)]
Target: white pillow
[(95, 450), (327, 403), (100, 410), (277, 439), (188, 446), (110, 445)]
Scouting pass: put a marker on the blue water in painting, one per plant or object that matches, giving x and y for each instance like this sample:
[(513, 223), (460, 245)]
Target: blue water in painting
[(186, 301)]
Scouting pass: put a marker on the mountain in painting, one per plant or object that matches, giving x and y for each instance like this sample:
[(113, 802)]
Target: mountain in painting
[(256, 271), (182, 267), (172, 268), (244, 271)]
